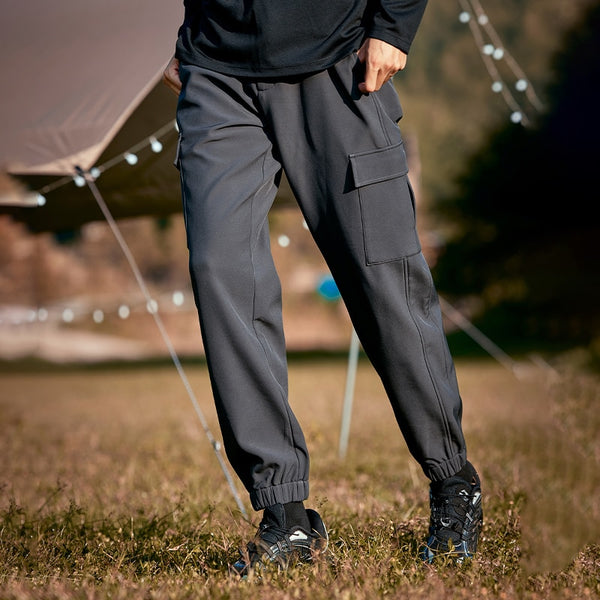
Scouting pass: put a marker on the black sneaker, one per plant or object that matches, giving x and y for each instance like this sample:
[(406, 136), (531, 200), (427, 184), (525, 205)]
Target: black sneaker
[(456, 517), (276, 544)]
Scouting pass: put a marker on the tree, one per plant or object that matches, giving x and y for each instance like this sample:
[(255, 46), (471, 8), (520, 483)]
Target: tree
[(526, 240)]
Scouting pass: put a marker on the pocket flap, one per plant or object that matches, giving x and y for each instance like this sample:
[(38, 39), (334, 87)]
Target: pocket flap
[(378, 165)]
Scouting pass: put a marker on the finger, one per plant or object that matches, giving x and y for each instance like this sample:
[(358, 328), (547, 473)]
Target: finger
[(371, 83)]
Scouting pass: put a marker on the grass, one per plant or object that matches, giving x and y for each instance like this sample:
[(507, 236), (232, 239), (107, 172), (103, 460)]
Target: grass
[(109, 489)]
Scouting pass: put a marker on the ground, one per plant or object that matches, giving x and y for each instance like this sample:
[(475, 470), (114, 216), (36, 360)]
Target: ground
[(109, 487)]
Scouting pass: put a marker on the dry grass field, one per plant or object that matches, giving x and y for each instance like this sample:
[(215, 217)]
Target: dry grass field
[(109, 488)]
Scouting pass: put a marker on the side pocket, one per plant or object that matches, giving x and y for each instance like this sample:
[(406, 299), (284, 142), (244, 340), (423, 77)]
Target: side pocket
[(386, 203)]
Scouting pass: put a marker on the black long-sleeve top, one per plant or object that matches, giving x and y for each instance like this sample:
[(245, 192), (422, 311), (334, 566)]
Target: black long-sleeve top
[(272, 38)]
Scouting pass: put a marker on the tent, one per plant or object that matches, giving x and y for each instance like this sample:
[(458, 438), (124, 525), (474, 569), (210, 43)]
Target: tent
[(82, 85)]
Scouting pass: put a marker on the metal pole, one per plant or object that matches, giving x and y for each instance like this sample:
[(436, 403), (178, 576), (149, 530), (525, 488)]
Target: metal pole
[(349, 393)]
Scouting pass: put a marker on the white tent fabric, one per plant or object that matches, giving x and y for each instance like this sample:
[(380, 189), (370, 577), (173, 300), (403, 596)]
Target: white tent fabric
[(74, 71)]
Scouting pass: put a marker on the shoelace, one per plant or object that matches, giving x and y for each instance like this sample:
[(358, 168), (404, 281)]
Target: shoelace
[(449, 510)]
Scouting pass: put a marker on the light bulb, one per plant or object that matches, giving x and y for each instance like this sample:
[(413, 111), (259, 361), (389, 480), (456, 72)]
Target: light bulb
[(155, 145), (521, 85), (178, 298)]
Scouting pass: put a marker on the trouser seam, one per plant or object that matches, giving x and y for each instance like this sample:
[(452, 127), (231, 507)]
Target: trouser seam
[(425, 359), (254, 319)]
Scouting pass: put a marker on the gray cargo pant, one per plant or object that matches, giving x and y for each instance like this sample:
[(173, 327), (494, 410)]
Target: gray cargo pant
[(344, 157)]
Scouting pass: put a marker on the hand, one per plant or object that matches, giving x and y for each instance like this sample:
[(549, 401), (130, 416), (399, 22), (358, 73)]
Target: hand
[(382, 61), (171, 76)]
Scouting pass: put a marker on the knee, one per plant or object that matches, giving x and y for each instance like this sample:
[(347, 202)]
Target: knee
[(212, 262)]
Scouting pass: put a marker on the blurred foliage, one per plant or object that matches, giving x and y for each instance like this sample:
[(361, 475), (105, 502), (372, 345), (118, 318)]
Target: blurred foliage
[(446, 90), (524, 237)]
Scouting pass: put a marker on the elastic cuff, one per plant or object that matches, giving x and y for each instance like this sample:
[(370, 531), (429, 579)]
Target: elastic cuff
[(296, 491), (438, 471)]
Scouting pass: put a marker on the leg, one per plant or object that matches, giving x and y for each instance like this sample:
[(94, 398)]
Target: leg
[(347, 168), (228, 176)]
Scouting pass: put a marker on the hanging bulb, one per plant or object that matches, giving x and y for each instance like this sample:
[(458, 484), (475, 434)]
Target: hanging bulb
[(98, 316), (464, 17), (155, 145), (178, 298), (130, 158), (497, 86), (41, 200), (483, 19), (123, 311), (79, 180), (516, 117), (488, 49), (498, 53), (521, 85), (95, 172)]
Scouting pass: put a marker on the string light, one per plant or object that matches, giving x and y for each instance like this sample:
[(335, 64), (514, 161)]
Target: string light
[(493, 51), (178, 298), (521, 85), (155, 145), (123, 311), (496, 50), (498, 54), (129, 156), (68, 315), (516, 117)]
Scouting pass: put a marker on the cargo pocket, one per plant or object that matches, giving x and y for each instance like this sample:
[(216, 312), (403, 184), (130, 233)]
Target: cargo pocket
[(386, 204)]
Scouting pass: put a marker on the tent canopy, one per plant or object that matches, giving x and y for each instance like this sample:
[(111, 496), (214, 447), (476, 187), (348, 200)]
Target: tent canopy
[(75, 71), (82, 85)]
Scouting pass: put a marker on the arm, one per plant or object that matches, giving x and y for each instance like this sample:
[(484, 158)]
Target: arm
[(171, 76), (171, 73), (384, 52)]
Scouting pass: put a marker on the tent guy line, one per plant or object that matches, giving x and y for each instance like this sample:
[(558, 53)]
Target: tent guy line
[(151, 303)]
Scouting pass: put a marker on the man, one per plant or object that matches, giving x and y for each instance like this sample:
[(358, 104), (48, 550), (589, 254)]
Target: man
[(305, 86)]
